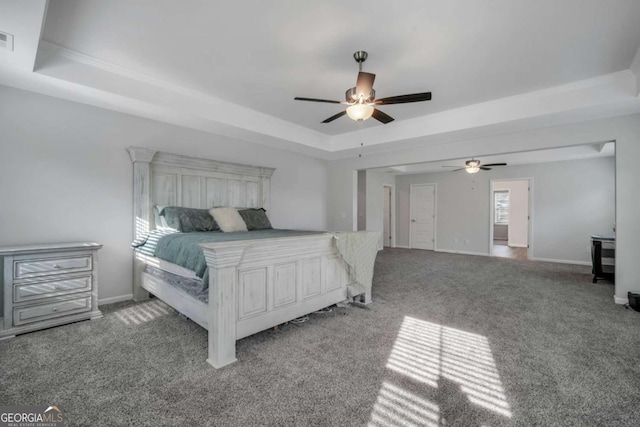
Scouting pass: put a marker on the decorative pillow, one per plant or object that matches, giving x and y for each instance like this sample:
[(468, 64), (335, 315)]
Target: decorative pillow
[(188, 219), (256, 219), (159, 220), (228, 219)]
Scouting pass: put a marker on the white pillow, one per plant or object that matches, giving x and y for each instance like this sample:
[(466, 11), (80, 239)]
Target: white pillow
[(161, 223), (228, 219)]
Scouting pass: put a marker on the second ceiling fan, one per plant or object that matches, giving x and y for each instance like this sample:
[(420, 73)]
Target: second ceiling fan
[(361, 99), (474, 166)]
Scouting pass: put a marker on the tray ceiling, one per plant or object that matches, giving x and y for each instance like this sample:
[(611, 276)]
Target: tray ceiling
[(234, 68)]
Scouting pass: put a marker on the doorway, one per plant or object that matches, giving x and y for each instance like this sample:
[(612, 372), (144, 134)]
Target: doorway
[(388, 215), (387, 234), (510, 227), (422, 211)]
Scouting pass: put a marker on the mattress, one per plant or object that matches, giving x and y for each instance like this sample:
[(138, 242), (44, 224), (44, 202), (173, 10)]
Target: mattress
[(190, 286), (183, 249)]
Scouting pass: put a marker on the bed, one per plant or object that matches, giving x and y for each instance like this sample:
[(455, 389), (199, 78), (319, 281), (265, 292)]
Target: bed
[(255, 282)]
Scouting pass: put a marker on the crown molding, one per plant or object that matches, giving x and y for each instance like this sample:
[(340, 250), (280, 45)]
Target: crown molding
[(71, 75), (598, 92), (201, 104), (55, 49)]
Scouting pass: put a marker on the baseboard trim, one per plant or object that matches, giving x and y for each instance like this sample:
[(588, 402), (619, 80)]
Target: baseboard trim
[(518, 246), (461, 252), (562, 261), (127, 297), (619, 300), (402, 247)]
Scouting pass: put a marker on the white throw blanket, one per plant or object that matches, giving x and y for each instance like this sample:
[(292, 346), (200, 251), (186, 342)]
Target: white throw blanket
[(359, 250)]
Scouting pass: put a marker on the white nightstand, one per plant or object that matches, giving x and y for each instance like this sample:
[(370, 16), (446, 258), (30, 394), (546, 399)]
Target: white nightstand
[(48, 285)]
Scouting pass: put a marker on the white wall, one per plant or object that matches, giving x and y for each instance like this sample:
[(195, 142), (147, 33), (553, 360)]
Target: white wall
[(571, 200), (625, 130), (65, 176), (627, 209), (519, 210), (500, 232)]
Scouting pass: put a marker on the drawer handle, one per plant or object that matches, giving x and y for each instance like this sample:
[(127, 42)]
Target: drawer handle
[(54, 309)]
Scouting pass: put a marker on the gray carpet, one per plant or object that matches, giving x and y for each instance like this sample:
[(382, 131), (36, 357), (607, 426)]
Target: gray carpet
[(450, 340)]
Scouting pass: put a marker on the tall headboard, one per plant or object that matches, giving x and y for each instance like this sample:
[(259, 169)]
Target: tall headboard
[(167, 179)]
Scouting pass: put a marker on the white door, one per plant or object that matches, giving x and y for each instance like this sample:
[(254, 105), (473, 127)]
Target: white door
[(386, 217), (422, 216)]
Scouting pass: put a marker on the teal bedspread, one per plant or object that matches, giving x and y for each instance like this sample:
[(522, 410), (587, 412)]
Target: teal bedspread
[(184, 249)]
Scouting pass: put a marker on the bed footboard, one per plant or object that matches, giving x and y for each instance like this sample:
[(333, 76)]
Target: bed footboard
[(257, 284)]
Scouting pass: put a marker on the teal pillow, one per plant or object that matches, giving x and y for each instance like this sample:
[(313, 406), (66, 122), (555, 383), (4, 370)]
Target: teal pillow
[(186, 220), (256, 219)]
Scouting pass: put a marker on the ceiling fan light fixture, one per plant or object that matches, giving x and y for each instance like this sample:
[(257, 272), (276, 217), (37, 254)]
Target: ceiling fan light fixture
[(473, 169), (362, 97), (352, 95), (359, 112)]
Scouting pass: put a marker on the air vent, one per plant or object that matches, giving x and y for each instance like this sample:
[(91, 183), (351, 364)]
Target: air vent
[(6, 41)]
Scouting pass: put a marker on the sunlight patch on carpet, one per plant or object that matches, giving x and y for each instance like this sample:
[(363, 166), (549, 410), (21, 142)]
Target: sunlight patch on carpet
[(142, 313), (428, 353), (398, 407)]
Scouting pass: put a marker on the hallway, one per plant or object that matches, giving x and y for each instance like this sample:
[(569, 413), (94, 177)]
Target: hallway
[(500, 249)]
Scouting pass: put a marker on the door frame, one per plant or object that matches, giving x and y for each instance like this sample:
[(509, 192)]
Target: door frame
[(435, 213), (354, 200), (529, 179), (392, 214)]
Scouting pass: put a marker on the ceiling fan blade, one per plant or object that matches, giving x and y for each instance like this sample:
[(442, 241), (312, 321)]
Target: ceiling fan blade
[(381, 117), (404, 99), (495, 164), (459, 169), (317, 100), (484, 168), (364, 83), (335, 116)]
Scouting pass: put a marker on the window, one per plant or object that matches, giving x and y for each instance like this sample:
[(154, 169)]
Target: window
[(501, 207)]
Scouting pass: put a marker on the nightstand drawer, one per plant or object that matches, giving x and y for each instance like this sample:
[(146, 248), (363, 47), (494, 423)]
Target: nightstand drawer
[(47, 311), (28, 292), (44, 266)]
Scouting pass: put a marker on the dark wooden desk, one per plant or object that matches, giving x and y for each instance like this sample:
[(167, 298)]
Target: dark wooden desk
[(603, 257)]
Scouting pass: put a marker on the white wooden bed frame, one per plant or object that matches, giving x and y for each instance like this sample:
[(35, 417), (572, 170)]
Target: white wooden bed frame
[(253, 284)]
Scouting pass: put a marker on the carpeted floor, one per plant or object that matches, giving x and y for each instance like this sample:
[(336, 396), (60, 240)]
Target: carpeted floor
[(450, 340)]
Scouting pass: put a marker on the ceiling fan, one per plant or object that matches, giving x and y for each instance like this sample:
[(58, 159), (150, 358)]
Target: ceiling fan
[(474, 166), (361, 99)]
